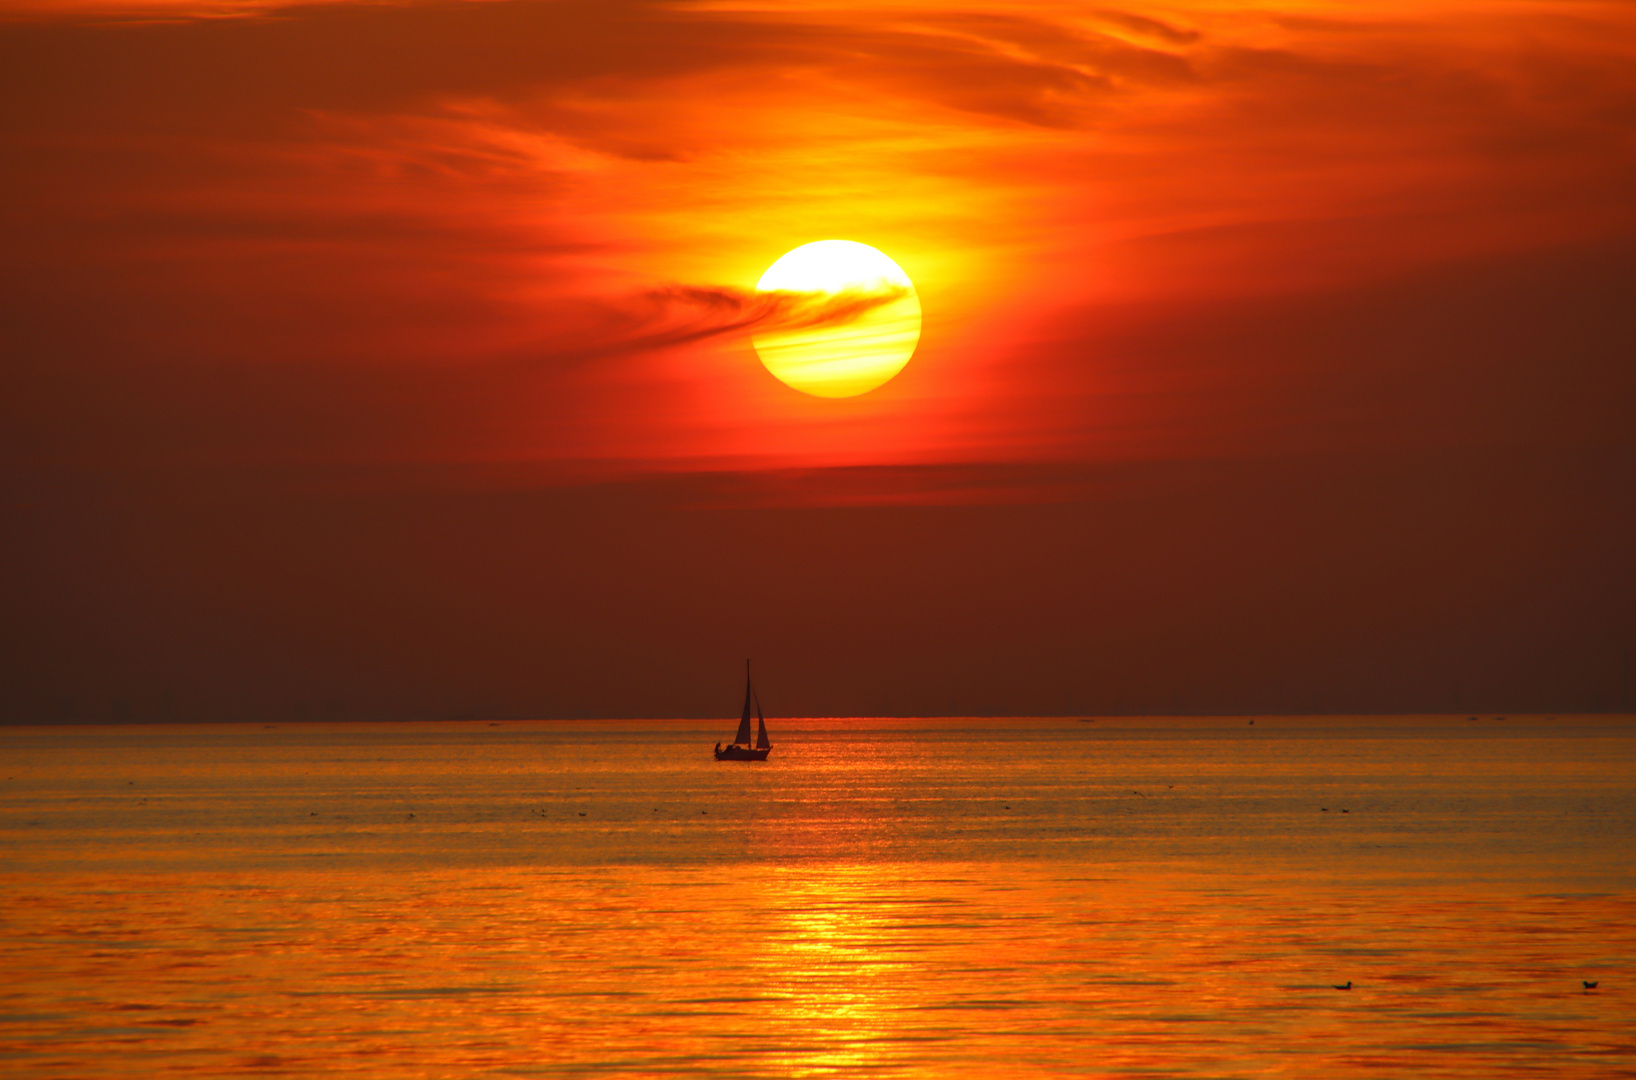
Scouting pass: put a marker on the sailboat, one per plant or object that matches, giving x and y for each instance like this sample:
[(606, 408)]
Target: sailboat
[(740, 749)]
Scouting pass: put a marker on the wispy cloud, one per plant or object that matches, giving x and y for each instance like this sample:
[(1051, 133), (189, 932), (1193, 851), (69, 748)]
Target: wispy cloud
[(525, 228), (722, 310)]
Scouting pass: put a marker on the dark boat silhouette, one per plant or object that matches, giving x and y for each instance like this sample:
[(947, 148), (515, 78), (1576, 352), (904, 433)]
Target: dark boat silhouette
[(740, 749)]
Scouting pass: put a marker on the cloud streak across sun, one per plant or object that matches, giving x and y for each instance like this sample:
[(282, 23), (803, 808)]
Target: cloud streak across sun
[(529, 231)]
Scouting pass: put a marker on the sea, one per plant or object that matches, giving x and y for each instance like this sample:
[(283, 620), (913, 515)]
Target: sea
[(1408, 897)]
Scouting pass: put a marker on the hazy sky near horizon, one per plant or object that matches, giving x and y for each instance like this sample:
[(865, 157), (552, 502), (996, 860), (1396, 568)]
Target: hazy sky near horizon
[(393, 358)]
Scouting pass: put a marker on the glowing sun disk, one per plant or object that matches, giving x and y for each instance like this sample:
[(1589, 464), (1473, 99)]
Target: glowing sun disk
[(852, 319)]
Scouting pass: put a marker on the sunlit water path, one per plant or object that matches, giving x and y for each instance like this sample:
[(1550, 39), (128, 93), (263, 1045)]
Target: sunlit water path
[(1156, 897)]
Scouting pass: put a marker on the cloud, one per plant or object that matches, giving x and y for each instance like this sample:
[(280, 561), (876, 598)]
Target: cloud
[(518, 229), (682, 314), (223, 73)]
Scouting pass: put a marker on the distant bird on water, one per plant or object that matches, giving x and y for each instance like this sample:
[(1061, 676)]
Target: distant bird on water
[(1590, 984), (1346, 986)]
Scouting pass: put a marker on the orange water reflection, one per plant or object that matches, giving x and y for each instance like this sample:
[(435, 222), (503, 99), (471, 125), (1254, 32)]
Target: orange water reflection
[(878, 970), (885, 898)]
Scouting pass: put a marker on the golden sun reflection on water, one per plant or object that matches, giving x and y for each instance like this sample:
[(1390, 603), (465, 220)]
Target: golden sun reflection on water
[(930, 899), (877, 970)]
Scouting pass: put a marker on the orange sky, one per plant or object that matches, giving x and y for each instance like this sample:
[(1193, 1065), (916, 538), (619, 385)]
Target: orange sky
[(513, 208), (508, 245)]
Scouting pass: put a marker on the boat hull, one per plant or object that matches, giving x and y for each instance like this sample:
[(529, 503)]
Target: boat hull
[(741, 753)]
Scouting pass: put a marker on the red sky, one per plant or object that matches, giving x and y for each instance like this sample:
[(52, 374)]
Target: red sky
[(391, 358)]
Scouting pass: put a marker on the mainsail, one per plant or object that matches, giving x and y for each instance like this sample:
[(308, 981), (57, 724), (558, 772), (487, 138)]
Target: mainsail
[(743, 736)]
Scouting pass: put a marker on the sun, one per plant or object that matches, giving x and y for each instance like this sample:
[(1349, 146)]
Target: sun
[(852, 321)]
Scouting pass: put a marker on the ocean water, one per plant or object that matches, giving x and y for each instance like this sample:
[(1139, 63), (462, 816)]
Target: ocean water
[(1155, 897)]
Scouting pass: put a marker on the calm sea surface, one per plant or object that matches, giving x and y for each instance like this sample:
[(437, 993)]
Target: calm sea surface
[(884, 898)]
